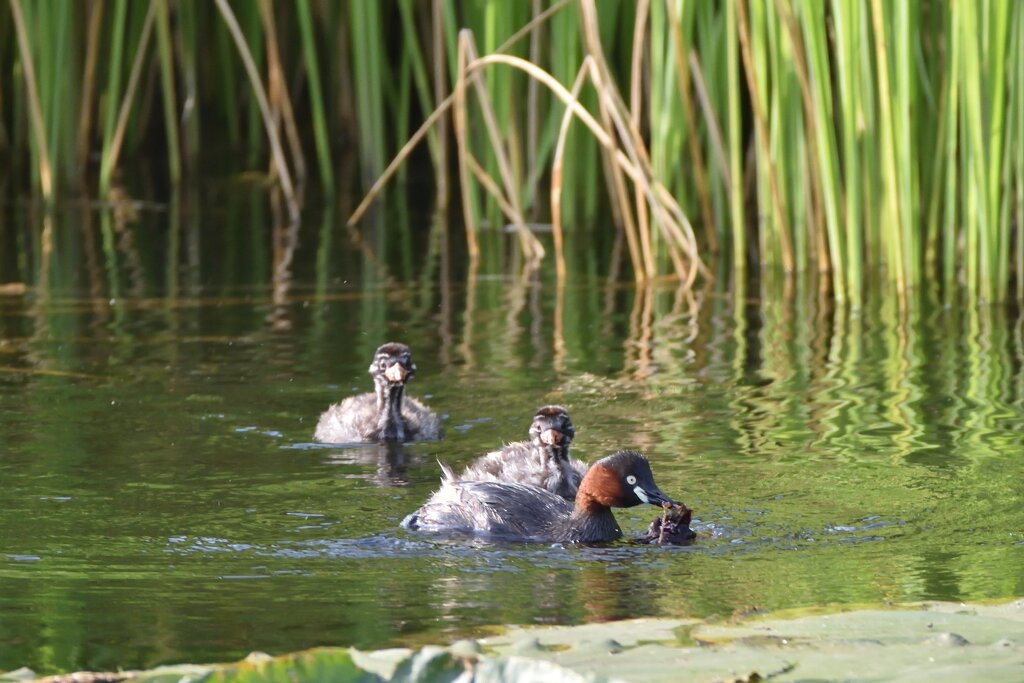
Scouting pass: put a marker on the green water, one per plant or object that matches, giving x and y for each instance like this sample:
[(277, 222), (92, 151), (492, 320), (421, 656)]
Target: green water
[(163, 502)]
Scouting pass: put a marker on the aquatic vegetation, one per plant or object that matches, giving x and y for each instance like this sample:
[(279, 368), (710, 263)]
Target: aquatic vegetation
[(879, 144), (672, 527), (932, 641)]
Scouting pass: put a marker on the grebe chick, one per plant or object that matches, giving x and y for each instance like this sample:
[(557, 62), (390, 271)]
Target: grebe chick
[(521, 512), (543, 461), (385, 415)]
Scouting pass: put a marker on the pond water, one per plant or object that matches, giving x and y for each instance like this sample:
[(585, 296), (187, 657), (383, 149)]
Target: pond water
[(161, 375)]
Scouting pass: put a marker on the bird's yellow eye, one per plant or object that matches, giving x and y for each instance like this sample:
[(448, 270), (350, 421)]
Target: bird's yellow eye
[(630, 480)]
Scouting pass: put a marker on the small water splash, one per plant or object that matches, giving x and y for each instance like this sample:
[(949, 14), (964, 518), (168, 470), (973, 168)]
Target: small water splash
[(249, 429), (752, 531), (467, 425), (187, 545), (14, 557), (308, 446), (244, 577), (869, 523)]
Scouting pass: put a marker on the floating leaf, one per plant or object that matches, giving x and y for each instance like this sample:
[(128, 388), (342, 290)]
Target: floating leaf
[(929, 641)]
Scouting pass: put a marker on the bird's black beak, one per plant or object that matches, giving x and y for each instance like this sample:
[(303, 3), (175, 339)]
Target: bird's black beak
[(652, 495)]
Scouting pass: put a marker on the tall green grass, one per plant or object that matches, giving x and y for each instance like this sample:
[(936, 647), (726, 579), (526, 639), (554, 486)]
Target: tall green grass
[(877, 143)]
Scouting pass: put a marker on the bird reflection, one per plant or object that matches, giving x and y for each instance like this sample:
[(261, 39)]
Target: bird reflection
[(613, 594), (390, 458)]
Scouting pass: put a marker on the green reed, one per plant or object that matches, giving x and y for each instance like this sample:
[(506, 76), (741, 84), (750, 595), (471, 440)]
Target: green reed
[(877, 143), (112, 92)]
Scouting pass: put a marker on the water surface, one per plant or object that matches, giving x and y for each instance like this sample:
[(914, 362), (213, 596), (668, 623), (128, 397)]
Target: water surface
[(163, 502)]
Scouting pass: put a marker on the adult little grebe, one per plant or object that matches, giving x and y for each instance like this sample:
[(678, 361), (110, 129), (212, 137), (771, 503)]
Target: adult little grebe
[(521, 512), (387, 414), (543, 461)]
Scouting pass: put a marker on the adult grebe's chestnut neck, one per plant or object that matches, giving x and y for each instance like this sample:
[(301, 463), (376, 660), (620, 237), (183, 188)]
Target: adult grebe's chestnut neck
[(623, 480)]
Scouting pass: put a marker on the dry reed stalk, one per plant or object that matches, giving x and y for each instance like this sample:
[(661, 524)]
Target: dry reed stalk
[(796, 45), (743, 25), (635, 99), (683, 232), (620, 196), (284, 177), (637, 166), (436, 117), (532, 118), (35, 107), (124, 112), (556, 172), (714, 129), (636, 62), (488, 184), (642, 268), (440, 87), (462, 149), (531, 245), (678, 236), (643, 182), (621, 143), (170, 99), (692, 139), (278, 93)]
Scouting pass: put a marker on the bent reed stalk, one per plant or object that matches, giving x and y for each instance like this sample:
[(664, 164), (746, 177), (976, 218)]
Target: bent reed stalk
[(875, 143)]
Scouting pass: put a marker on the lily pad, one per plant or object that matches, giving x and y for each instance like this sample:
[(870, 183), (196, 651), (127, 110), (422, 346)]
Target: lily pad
[(638, 650), (915, 624), (922, 642), (931, 641), (625, 633), (320, 664)]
